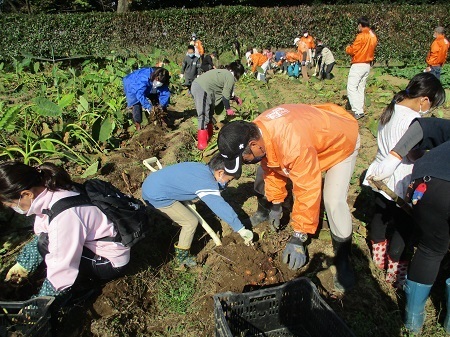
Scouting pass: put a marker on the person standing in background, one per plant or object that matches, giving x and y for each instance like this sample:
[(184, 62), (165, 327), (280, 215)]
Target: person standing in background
[(190, 67), (199, 50), (308, 40), (438, 53), (362, 52), (208, 62)]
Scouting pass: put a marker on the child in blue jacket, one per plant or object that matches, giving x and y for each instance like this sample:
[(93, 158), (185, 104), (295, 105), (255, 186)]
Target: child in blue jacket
[(145, 87), (168, 187)]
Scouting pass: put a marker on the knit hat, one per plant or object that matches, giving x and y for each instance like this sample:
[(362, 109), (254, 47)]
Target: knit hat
[(232, 140)]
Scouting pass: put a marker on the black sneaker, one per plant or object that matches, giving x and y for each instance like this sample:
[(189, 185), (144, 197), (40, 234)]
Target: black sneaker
[(359, 116)]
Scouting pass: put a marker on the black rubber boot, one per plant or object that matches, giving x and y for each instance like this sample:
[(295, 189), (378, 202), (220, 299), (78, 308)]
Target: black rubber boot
[(345, 277), (262, 213)]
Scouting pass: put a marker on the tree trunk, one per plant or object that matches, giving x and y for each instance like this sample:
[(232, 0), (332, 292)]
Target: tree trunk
[(122, 6)]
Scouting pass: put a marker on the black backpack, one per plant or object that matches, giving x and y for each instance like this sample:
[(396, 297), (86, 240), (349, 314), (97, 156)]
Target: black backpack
[(129, 215)]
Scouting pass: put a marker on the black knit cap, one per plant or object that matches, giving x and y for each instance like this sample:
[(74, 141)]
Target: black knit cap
[(232, 140)]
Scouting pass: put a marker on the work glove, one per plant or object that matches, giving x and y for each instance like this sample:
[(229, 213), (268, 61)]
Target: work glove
[(230, 112), (181, 76), (247, 235), (386, 167), (294, 253), (237, 100), (16, 274), (275, 215)]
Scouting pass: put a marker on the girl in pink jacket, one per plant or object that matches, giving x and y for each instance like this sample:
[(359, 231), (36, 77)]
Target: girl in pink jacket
[(70, 246)]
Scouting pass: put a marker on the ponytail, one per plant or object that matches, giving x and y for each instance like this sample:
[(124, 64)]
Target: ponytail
[(16, 177), (421, 85)]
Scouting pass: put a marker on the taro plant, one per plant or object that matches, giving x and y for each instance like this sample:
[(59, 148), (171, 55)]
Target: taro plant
[(28, 141)]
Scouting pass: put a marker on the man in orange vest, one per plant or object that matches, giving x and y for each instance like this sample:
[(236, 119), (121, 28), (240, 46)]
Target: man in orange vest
[(299, 142), (308, 40), (199, 50), (438, 52), (362, 52)]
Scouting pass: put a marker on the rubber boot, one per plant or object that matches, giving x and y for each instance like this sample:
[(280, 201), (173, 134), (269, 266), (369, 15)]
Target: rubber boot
[(379, 255), (396, 273), (183, 257), (416, 297), (344, 279), (202, 137), (210, 129), (262, 213), (447, 316)]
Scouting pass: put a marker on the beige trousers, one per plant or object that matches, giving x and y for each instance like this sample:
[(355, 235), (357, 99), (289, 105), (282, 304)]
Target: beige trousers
[(335, 190), (182, 216)]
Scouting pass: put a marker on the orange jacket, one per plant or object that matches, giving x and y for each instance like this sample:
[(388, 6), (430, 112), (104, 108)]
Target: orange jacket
[(198, 45), (438, 51), (301, 142), (302, 47), (309, 41), (294, 56), (258, 60), (363, 48)]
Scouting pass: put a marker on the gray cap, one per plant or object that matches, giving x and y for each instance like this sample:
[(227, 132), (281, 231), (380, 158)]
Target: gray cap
[(439, 30)]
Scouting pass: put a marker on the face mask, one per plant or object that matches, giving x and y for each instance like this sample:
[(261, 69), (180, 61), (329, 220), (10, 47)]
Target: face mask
[(423, 112), (305, 35), (222, 185), (191, 55), (157, 84), (18, 209)]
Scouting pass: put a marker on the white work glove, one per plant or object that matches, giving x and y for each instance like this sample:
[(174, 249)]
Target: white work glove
[(247, 235), (386, 168), (181, 76), (16, 274)]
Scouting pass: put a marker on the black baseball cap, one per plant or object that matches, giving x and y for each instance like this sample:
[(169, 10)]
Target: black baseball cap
[(232, 140)]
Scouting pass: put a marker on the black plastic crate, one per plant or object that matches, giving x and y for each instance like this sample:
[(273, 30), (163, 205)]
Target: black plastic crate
[(29, 318), (292, 309)]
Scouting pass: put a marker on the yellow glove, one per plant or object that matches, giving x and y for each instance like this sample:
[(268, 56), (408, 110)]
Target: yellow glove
[(16, 274)]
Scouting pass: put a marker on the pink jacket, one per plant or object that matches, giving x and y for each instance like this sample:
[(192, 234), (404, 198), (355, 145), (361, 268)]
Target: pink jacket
[(69, 232)]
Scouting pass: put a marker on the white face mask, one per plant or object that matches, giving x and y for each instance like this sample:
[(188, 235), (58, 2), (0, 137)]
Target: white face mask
[(18, 209), (305, 35), (157, 84)]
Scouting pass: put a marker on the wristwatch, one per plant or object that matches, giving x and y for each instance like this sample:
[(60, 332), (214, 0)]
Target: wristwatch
[(302, 236)]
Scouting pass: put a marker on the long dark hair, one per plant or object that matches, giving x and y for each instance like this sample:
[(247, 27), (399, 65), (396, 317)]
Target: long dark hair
[(16, 177), (421, 85)]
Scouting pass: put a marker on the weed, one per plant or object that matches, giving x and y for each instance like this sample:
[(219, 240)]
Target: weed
[(175, 291)]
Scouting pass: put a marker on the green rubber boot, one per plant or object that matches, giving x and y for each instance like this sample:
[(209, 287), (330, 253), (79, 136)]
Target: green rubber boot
[(184, 258)]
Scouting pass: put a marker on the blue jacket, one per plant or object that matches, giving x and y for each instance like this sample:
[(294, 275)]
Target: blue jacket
[(137, 87), (188, 181)]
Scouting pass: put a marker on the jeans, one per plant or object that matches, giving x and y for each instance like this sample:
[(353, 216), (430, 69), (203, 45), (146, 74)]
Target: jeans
[(436, 71)]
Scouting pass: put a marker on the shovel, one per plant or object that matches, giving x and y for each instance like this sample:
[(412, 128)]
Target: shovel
[(153, 164), (381, 186)]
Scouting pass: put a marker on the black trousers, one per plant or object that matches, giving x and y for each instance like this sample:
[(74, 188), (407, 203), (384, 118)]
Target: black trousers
[(432, 215), (387, 213)]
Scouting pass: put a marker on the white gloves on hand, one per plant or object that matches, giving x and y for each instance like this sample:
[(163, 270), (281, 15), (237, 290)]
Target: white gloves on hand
[(247, 235), (181, 76), (16, 274), (386, 168)]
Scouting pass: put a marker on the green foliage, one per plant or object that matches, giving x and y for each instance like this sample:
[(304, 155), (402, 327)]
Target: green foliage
[(409, 72), (404, 31), (175, 292)]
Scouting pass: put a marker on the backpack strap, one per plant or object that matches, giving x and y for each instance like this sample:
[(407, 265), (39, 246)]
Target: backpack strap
[(66, 203)]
